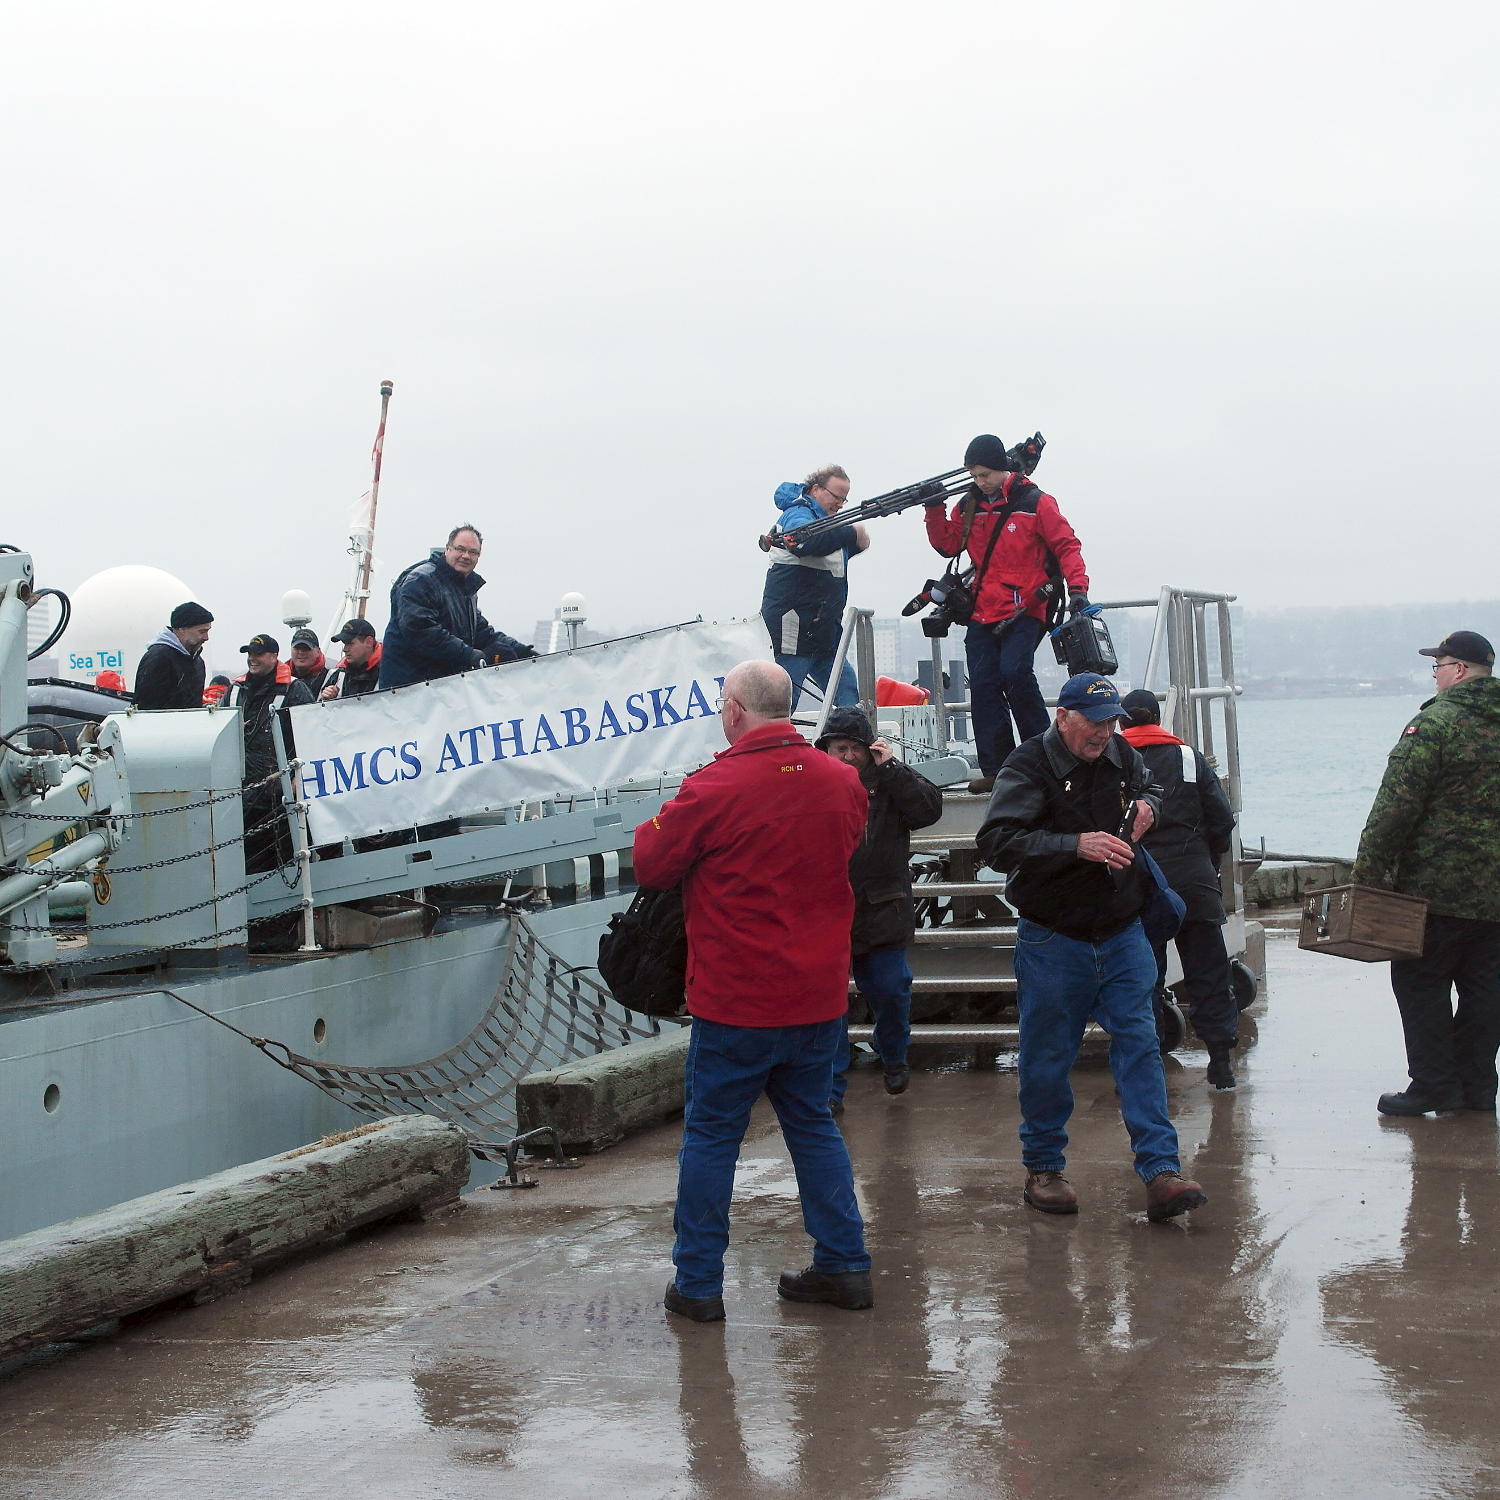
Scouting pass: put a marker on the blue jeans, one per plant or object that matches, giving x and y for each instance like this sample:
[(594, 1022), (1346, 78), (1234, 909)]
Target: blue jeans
[(1062, 981), (1002, 686), (728, 1069), (800, 668), (884, 979)]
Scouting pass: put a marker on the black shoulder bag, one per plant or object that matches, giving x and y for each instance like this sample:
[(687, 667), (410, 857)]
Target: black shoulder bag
[(643, 954)]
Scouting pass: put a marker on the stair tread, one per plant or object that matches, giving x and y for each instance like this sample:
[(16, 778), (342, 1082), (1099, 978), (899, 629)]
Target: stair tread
[(930, 888), (925, 843), (966, 937), (963, 984)]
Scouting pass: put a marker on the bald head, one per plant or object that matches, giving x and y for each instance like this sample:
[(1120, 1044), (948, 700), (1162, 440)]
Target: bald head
[(755, 693)]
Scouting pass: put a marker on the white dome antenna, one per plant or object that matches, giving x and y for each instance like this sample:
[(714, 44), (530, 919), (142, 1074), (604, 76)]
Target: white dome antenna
[(573, 611), (296, 608)]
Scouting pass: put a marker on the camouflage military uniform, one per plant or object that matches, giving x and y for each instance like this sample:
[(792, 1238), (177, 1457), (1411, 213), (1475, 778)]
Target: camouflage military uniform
[(1434, 831)]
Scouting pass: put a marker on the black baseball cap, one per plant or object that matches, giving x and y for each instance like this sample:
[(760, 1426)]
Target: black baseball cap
[(304, 637), (263, 643), (352, 631), (1463, 645), (1093, 696)]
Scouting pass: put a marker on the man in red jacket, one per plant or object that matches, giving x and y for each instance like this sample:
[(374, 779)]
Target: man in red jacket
[(761, 839), (1023, 550)]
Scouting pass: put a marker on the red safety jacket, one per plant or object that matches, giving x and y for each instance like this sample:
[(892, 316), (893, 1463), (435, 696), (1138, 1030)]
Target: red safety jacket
[(761, 839), (1017, 567)]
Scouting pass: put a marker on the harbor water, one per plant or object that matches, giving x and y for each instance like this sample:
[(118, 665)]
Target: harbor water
[(1310, 768)]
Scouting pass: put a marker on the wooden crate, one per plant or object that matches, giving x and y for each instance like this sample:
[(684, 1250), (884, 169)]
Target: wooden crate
[(1359, 921)]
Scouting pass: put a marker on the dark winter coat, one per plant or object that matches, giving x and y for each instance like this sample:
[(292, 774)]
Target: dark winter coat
[(315, 676), (1044, 798), (436, 629), (807, 584), (901, 801), (1195, 826), (257, 698), (169, 675), (352, 682)]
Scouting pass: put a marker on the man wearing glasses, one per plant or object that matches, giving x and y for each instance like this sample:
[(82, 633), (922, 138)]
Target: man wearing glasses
[(1434, 831), (807, 585), (760, 839), (436, 629)]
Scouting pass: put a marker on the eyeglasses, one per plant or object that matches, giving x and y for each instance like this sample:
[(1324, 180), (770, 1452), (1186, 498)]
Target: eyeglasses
[(465, 551), (1438, 666), (722, 702)]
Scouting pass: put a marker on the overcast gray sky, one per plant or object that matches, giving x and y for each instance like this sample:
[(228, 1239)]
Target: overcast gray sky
[(629, 266)]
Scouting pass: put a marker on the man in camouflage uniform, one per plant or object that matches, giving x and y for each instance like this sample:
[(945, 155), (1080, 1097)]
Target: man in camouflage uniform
[(1434, 831)]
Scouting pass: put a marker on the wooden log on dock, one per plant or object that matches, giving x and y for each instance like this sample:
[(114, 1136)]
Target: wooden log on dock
[(204, 1238), (594, 1102)]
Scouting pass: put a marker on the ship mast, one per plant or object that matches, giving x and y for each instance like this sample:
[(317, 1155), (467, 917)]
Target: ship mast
[(362, 537)]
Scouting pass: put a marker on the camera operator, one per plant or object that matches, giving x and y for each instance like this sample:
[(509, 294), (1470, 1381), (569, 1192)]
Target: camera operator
[(1024, 552)]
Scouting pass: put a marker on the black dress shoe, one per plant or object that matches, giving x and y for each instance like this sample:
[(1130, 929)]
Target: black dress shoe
[(699, 1309), (849, 1289), (897, 1078), (1414, 1102)]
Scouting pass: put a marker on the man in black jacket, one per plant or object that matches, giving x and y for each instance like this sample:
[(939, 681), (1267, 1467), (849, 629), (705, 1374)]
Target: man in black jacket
[(308, 663), (359, 671), (170, 674), (436, 629), (1191, 837), (266, 686), (901, 800), (1065, 808)]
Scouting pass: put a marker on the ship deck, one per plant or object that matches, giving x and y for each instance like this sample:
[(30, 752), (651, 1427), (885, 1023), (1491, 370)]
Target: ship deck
[(1326, 1325)]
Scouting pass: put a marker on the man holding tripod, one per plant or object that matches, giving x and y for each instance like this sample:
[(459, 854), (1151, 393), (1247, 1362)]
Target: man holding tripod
[(1024, 553)]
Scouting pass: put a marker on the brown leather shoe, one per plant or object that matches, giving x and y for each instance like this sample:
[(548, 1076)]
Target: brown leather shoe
[(1169, 1194), (982, 785), (1050, 1192)]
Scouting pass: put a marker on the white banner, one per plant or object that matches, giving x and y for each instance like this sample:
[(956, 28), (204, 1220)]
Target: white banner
[(571, 722)]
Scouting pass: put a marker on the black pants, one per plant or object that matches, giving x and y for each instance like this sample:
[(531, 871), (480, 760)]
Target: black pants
[(1205, 980), (1451, 1053)]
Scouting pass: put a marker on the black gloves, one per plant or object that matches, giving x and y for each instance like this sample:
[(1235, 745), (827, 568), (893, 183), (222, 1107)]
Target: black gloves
[(1077, 601)]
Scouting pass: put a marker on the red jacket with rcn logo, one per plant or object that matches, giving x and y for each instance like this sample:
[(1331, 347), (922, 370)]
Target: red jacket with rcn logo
[(761, 839), (1018, 566)]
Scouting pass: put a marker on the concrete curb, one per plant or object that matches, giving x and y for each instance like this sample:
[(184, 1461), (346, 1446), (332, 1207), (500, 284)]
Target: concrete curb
[(208, 1237), (596, 1102)]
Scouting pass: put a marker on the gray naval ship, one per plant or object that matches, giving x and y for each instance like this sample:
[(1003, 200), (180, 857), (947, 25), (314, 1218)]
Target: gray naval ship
[(144, 1045)]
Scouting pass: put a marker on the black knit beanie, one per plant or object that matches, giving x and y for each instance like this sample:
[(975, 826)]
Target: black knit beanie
[(189, 614), (988, 452)]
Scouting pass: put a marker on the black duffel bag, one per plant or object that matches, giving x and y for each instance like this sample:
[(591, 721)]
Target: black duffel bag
[(643, 954)]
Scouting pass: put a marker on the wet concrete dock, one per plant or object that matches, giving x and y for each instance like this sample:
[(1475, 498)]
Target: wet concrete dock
[(1326, 1326)]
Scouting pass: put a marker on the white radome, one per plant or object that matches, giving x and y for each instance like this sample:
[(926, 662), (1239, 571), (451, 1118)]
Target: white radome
[(116, 615)]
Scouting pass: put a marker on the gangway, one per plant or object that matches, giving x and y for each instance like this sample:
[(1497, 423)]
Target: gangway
[(963, 989)]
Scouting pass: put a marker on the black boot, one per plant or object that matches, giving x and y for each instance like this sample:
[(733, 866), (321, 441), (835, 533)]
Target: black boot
[(1221, 1065)]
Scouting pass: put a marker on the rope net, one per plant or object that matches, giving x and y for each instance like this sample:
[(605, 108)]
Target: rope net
[(543, 1014)]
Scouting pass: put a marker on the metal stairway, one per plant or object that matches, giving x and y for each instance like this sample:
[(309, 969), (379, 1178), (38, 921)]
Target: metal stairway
[(963, 987)]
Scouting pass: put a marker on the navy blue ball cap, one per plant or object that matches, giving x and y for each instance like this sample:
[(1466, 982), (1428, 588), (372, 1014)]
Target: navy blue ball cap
[(262, 643), (1093, 696), (1463, 645)]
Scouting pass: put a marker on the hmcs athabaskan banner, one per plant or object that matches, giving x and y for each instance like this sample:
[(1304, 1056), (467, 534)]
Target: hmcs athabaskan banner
[(570, 722)]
